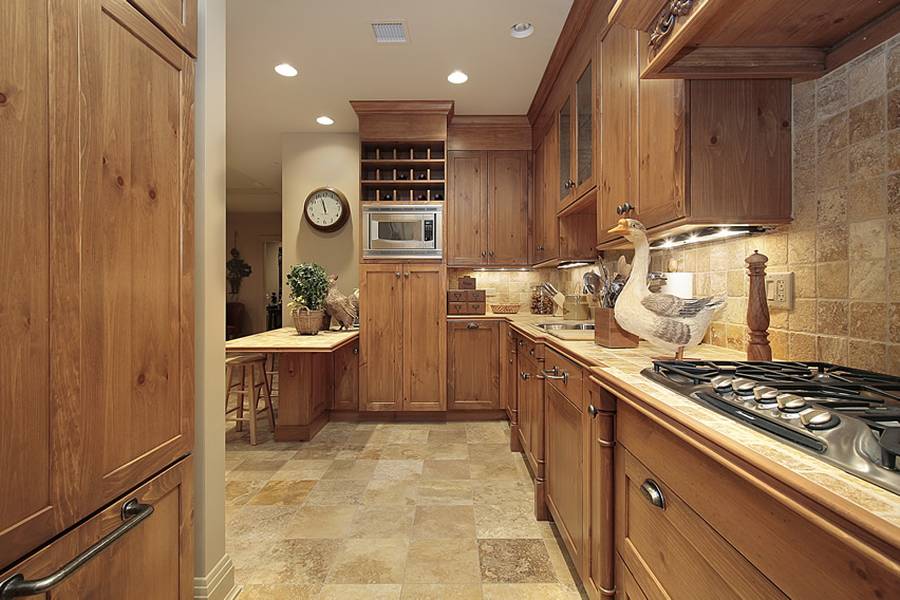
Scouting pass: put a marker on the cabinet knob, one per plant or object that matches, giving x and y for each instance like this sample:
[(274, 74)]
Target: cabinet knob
[(593, 410), (650, 490), (525, 376), (491, 253), (397, 273), (471, 325), (627, 207), (406, 274), (619, 209), (483, 254), (356, 350)]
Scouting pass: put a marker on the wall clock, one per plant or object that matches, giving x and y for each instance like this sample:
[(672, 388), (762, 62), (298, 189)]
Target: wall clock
[(326, 209)]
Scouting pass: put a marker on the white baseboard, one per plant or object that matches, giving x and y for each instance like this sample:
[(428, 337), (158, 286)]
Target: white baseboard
[(218, 584)]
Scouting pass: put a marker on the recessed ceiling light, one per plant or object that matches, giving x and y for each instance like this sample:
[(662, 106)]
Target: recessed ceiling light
[(286, 70), (457, 77), (521, 30), (324, 120)]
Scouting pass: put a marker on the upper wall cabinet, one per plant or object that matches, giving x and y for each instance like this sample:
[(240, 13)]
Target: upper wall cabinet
[(576, 129), (678, 155), (705, 39)]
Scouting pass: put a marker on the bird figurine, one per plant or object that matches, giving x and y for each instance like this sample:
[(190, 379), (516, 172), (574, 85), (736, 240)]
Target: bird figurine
[(669, 321)]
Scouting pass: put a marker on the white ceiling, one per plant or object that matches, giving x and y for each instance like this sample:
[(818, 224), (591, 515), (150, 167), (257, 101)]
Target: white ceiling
[(331, 43)]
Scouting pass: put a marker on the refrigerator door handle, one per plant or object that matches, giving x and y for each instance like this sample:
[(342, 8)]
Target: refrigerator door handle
[(133, 512)]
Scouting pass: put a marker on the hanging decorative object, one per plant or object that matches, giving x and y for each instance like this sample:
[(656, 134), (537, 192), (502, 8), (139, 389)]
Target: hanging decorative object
[(237, 269)]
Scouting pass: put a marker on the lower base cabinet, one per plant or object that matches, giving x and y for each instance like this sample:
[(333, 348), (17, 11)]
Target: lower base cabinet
[(346, 377), (473, 365), (154, 560)]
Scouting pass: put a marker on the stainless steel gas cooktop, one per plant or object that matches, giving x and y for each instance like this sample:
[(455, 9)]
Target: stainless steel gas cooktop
[(847, 417)]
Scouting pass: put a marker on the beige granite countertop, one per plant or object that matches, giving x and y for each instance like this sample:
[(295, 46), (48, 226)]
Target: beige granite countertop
[(287, 339), (625, 365)]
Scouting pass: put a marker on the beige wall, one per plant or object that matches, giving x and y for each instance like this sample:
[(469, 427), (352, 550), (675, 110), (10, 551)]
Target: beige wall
[(309, 161), (253, 230), (213, 570)]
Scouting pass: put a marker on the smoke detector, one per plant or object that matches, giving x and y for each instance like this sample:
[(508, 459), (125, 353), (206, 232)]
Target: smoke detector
[(390, 32)]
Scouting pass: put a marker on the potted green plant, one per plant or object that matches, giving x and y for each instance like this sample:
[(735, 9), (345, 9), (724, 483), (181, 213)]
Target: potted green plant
[(308, 283)]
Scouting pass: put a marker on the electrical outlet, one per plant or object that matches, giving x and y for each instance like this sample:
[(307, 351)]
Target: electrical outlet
[(780, 290)]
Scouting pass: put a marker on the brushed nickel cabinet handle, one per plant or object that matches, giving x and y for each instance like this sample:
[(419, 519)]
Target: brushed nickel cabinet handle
[(133, 512), (652, 492)]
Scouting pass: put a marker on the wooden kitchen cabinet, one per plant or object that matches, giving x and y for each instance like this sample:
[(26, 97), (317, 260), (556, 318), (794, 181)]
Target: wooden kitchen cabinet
[(97, 121), (487, 211), (755, 38), (680, 155), (346, 378), (467, 213), (567, 455), (509, 378), (473, 365), (531, 418), (154, 560), (576, 129), (600, 578), (508, 218), (682, 509), (401, 369), (618, 126)]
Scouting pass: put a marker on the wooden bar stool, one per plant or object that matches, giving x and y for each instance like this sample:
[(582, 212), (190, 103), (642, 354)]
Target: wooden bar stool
[(251, 383), (272, 376)]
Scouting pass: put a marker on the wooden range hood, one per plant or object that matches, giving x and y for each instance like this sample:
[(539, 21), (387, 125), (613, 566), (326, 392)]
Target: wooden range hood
[(706, 39)]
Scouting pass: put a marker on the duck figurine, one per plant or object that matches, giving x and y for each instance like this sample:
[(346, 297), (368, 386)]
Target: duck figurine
[(666, 320)]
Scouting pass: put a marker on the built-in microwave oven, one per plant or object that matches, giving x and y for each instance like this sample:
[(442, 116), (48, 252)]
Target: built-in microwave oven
[(403, 232)]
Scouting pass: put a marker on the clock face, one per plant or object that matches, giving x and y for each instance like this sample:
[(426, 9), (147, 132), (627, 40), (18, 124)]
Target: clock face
[(326, 209)]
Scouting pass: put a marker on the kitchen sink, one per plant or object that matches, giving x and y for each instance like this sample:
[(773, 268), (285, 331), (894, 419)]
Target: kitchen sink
[(570, 326)]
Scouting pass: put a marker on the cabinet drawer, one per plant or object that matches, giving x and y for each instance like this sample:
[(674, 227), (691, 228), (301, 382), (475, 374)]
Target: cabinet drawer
[(531, 348), (153, 560), (456, 296), (564, 375), (670, 550), (710, 501)]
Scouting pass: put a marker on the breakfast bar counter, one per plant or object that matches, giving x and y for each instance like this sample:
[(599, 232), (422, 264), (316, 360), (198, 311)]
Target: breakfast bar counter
[(316, 373)]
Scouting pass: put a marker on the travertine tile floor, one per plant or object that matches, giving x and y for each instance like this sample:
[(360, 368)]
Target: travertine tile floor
[(390, 511)]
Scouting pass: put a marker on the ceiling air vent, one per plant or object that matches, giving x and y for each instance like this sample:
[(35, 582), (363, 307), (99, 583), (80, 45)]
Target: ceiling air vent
[(390, 32)]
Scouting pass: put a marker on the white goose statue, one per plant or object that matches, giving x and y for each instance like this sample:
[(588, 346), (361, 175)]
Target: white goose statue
[(666, 320)]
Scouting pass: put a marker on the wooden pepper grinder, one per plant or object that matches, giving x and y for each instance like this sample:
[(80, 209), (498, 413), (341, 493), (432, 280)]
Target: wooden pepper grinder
[(758, 347)]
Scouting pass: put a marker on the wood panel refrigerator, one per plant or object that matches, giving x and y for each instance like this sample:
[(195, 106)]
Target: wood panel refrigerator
[(96, 314)]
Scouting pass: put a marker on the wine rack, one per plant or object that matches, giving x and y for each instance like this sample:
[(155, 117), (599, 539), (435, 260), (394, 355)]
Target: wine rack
[(403, 171)]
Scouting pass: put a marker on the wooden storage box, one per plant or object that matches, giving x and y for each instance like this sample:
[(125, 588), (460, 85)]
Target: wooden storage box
[(607, 332), (466, 308), (466, 283)]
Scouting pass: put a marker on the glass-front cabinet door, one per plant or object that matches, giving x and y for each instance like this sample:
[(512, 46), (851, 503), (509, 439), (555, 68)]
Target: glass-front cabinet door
[(564, 123), (584, 131)]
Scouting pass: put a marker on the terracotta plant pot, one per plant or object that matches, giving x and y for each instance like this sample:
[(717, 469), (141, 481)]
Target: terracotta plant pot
[(307, 322)]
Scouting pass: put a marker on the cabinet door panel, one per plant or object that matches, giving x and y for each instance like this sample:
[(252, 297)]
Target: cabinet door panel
[(565, 471), (346, 378), (585, 124), (178, 18), (618, 125), (508, 207), (29, 489), (466, 208), (474, 365), (548, 201), (424, 338), (381, 336), (134, 223), (153, 561), (663, 148), (565, 134), (601, 474)]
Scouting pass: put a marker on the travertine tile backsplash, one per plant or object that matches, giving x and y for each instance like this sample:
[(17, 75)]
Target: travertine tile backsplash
[(843, 245)]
